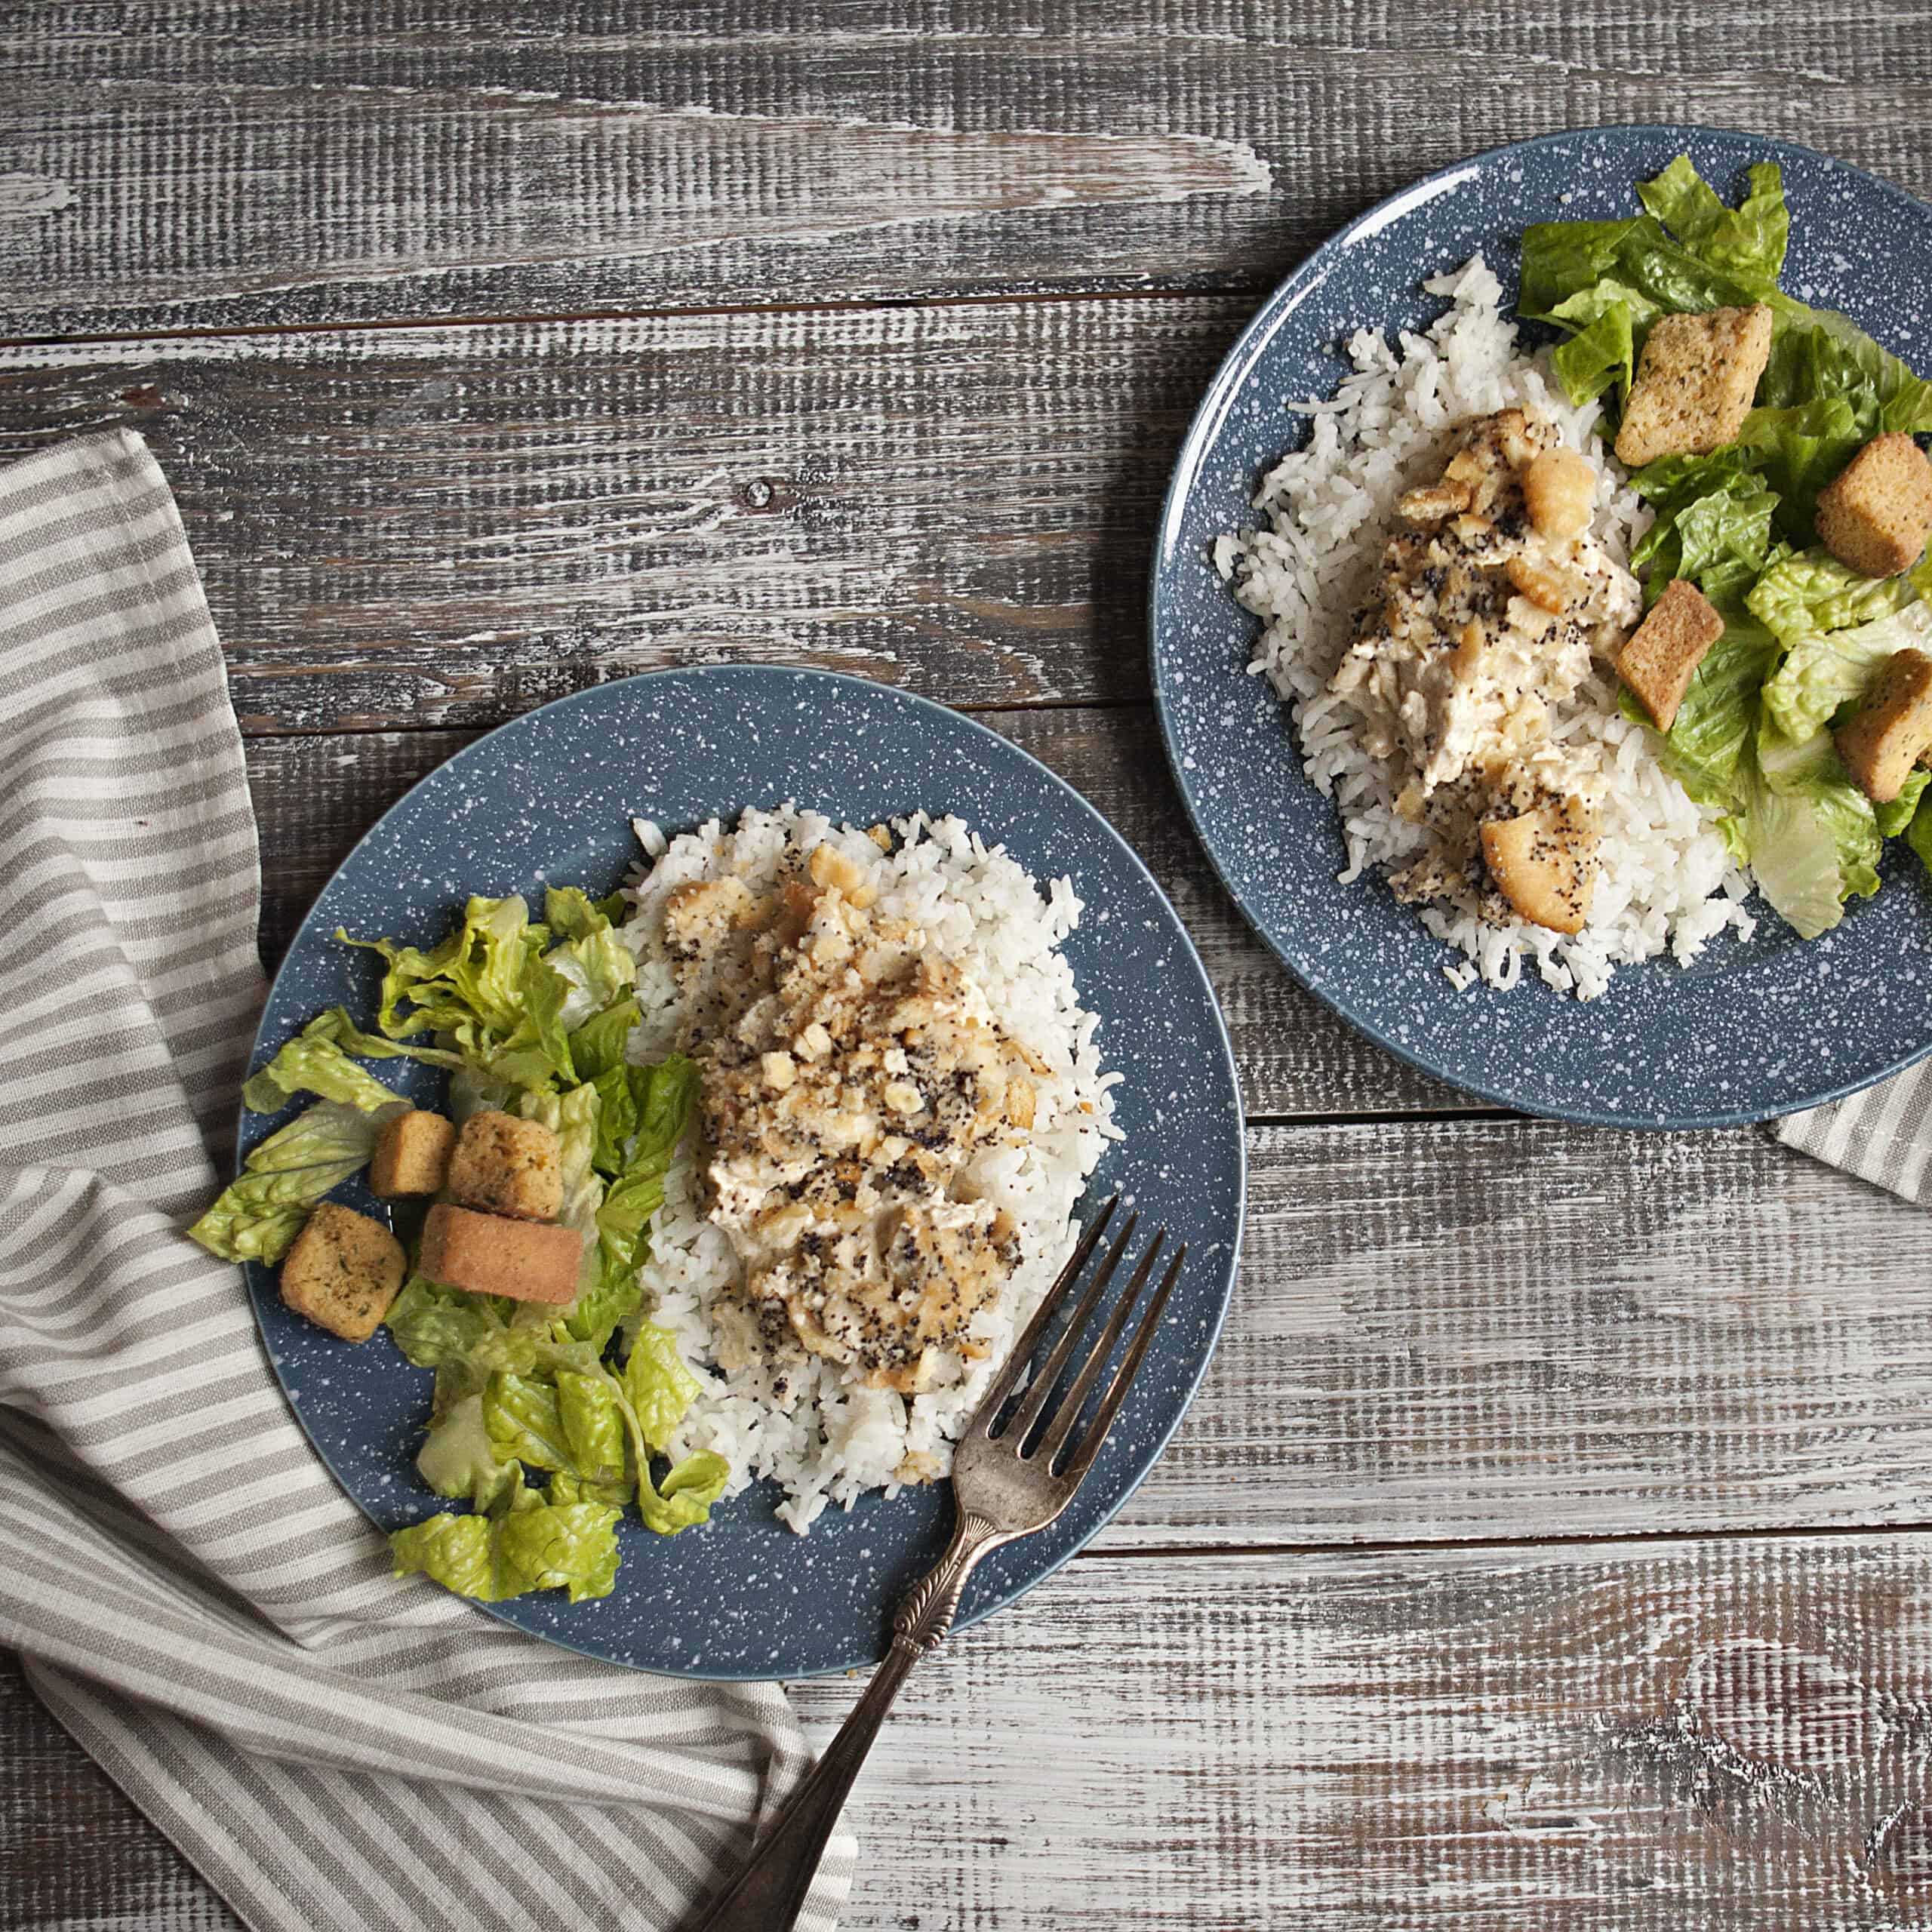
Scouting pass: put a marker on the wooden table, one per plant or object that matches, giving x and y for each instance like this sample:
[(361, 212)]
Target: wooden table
[(1548, 1547)]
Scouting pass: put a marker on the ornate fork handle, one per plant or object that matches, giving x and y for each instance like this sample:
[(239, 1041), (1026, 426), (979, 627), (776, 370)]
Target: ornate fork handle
[(767, 1895)]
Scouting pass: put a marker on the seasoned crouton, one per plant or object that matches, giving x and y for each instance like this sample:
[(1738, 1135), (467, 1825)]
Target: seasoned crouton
[(1884, 738), (1543, 862), (508, 1166), (1559, 490), (1662, 658), (342, 1271), (412, 1155), (1877, 514), (528, 1261), (1695, 381)]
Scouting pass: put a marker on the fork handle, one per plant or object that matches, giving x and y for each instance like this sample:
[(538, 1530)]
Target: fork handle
[(767, 1895)]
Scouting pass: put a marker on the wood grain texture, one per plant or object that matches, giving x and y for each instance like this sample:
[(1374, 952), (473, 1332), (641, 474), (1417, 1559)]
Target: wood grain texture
[(1501, 1328), (416, 527), (219, 162), (1688, 1736), (75, 1856), (1705, 1736)]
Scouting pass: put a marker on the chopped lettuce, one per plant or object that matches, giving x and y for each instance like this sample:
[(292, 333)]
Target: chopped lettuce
[(1749, 240), (1812, 838), (1602, 353), (656, 1384), (257, 1217), (546, 1441), (316, 1061), (1918, 834), (1825, 667), (1803, 635), (1713, 525), (569, 1546)]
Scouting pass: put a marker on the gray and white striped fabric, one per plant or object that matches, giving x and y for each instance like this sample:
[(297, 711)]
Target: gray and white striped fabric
[(1883, 1134), (196, 1601)]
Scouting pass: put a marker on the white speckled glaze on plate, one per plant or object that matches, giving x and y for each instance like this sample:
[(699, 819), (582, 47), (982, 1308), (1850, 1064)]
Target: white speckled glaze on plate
[(548, 798), (1750, 1029)]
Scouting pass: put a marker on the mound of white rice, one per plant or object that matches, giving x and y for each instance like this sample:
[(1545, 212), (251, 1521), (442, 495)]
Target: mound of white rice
[(1664, 879), (827, 1438)]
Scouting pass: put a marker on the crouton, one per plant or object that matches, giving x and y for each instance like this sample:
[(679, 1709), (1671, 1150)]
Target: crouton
[(1877, 514), (342, 1271), (1662, 658), (1884, 738), (489, 1255), (508, 1166), (1695, 381), (1559, 491), (1543, 862), (412, 1155)]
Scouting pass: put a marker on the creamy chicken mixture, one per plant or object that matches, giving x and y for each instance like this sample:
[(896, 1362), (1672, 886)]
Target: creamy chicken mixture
[(852, 1075), (1493, 601)]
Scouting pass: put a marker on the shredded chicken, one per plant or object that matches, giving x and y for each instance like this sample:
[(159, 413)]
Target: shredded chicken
[(1493, 601), (852, 1074)]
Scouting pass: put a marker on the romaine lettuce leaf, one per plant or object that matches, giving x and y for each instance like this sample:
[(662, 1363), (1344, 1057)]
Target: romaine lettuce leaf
[(1602, 353), (658, 1386), (315, 1062), (1823, 669), (683, 1499), (1813, 838), (1748, 240), (458, 1459), (471, 986), (1894, 818), (1918, 834), (257, 1217), (1713, 525), (597, 1047), (569, 1546)]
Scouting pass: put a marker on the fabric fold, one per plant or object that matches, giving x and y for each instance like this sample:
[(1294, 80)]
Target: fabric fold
[(197, 1601)]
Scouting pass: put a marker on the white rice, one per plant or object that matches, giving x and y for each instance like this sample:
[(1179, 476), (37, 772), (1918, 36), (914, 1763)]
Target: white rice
[(828, 1438), (1665, 879)]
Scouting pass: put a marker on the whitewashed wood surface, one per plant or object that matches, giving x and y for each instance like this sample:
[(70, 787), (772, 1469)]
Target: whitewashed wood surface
[(1548, 1546)]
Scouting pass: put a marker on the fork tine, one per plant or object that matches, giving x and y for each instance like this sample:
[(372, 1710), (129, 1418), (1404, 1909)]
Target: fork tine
[(1020, 1425), (1059, 1424), (1082, 1458), (988, 1412)]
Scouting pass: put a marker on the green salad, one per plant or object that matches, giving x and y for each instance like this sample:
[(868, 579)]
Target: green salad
[(546, 1422), (1804, 636)]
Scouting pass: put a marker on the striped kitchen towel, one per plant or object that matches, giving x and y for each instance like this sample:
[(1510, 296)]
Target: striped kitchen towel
[(1883, 1134), (196, 1600)]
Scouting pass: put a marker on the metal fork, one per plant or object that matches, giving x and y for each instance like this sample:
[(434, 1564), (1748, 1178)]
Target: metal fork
[(1012, 1474)]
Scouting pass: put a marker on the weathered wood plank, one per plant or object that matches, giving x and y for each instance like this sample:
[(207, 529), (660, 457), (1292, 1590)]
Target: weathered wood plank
[(1698, 1736), (1703, 1736), (314, 796), (446, 526), (1517, 1328), (302, 162), (75, 1856)]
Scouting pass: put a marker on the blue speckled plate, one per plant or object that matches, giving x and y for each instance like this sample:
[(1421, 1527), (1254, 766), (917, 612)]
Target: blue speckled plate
[(548, 798), (1750, 1029)]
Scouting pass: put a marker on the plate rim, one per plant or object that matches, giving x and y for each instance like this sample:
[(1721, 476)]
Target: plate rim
[(1228, 375), (258, 1278)]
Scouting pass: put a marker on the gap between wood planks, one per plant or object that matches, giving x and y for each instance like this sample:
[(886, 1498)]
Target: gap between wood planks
[(1464, 1546), (1213, 290)]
